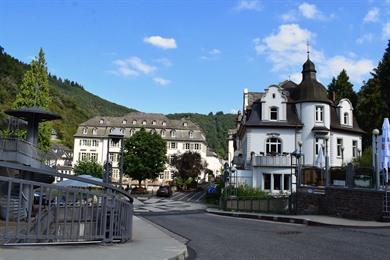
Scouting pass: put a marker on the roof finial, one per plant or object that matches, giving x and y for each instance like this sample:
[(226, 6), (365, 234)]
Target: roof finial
[(308, 49)]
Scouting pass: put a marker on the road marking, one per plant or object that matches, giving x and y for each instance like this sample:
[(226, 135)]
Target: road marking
[(201, 197), (258, 220), (186, 196)]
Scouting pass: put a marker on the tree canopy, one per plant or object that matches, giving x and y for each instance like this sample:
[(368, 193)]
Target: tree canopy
[(189, 166), (145, 155), (342, 88), (89, 167)]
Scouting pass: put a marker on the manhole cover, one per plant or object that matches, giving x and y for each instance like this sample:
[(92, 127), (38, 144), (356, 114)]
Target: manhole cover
[(288, 232)]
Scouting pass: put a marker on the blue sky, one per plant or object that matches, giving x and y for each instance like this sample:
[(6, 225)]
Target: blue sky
[(194, 56)]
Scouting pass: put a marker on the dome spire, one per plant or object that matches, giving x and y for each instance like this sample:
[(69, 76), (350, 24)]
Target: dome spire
[(308, 49)]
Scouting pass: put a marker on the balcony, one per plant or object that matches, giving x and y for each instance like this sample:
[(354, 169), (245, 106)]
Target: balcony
[(21, 151), (271, 161)]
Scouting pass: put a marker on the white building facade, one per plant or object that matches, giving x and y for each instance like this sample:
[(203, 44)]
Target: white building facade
[(91, 139), (289, 118)]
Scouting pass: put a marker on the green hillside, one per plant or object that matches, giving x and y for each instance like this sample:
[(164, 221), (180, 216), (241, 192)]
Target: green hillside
[(215, 126), (70, 99)]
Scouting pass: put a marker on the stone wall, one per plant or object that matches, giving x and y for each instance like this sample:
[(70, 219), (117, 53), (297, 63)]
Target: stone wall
[(353, 203)]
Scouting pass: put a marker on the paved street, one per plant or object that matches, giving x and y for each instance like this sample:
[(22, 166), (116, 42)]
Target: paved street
[(218, 237), (189, 196), (164, 205)]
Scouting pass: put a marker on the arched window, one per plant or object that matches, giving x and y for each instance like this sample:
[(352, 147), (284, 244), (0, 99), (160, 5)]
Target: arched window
[(85, 130), (173, 133), (164, 123), (273, 113), (94, 131), (153, 131), (101, 121), (162, 133), (154, 122), (273, 146), (144, 122), (346, 118), (134, 122), (122, 130), (111, 130), (132, 131), (124, 121), (191, 134)]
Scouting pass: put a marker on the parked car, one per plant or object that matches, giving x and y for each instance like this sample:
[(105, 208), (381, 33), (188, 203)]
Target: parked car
[(164, 191), (139, 190)]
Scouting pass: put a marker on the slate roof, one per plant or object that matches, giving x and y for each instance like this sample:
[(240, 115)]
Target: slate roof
[(336, 126)]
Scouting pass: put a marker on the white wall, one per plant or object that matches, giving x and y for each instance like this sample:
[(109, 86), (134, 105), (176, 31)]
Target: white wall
[(347, 143), (279, 101)]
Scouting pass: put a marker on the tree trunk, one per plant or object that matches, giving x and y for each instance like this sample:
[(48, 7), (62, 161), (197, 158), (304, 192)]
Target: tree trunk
[(139, 183)]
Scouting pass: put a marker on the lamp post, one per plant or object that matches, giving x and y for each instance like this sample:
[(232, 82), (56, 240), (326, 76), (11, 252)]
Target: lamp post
[(234, 170), (375, 134), (342, 155), (116, 135), (299, 156)]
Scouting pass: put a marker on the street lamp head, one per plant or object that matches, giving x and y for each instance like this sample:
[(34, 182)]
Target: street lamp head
[(342, 148), (326, 137), (300, 143), (375, 132)]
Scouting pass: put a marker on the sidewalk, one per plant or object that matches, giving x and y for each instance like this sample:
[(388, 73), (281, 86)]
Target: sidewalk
[(304, 219), (149, 243)]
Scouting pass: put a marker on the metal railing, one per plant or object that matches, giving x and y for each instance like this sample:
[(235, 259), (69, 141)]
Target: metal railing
[(272, 161), (39, 213)]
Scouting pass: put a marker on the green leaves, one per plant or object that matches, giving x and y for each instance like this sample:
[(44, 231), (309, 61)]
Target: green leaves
[(89, 167), (145, 155)]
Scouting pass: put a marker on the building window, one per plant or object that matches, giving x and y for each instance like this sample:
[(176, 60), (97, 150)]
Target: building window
[(355, 148), (173, 145), (319, 144), (339, 146), (187, 146), (122, 130), (94, 157), (273, 113), (173, 133), (144, 122), (273, 146), (191, 134), (101, 121), (162, 133), (94, 131), (170, 159), (319, 114), (154, 122), (164, 123), (267, 181), (185, 124), (114, 144), (85, 130), (273, 95), (286, 182), (153, 131), (95, 142), (132, 132), (124, 121), (346, 118), (197, 146), (277, 182), (134, 122)]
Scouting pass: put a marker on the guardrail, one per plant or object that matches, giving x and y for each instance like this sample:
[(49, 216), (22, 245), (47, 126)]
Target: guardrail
[(272, 161), (20, 151), (39, 213), (280, 205)]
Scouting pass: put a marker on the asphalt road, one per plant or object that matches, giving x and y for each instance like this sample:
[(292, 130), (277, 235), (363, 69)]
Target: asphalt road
[(218, 237)]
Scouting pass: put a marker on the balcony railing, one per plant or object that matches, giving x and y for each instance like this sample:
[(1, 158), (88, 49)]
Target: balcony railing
[(271, 161)]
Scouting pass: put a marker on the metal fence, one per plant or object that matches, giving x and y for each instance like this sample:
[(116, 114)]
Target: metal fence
[(39, 213), (281, 205)]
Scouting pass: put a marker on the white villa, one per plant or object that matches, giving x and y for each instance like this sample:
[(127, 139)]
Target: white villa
[(287, 118), (90, 140)]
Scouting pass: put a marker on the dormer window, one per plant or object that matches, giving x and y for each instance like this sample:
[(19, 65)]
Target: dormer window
[(273, 95), (134, 122), (319, 114), (144, 122), (346, 118), (154, 122), (164, 123), (85, 130), (273, 113), (185, 124), (101, 121), (173, 133), (124, 121), (191, 134), (162, 133), (94, 131)]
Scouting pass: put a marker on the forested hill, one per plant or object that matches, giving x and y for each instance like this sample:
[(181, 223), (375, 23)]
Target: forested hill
[(70, 99), (215, 126)]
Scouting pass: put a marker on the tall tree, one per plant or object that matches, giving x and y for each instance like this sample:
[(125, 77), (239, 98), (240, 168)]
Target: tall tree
[(34, 91), (342, 88), (189, 165), (373, 97), (145, 156)]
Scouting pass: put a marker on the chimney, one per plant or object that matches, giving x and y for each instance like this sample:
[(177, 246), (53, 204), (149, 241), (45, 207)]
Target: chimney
[(246, 101)]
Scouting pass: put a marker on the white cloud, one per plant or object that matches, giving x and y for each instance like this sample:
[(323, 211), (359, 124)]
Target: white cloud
[(309, 11), (248, 5), (132, 67), (368, 37), (161, 81), (164, 43), (386, 31), (372, 15), (286, 50), (211, 54), (290, 16), (164, 61), (214, 52)]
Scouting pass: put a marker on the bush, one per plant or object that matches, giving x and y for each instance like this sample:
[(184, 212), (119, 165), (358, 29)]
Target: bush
[(246, 191)]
